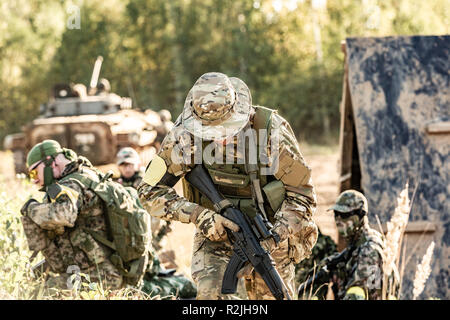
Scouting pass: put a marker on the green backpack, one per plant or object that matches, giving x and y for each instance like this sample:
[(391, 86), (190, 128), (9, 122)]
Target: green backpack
[(127, 221)]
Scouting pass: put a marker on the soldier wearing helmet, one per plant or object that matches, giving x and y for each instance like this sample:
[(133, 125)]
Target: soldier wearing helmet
[(55, 226), (350, 211), (68, 225), (359, 275), (217, 113), (129, 162)]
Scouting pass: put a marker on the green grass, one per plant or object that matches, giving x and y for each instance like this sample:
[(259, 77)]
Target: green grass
[(16, 281)]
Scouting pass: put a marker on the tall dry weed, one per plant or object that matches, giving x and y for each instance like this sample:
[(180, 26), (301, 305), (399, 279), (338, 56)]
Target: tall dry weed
[(393, 242), (423, 272)]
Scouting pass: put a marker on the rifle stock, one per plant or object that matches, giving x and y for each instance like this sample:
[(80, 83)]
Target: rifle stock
[(246, 245)]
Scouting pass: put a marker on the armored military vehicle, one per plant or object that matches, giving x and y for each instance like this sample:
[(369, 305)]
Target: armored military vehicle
[(93, 122)]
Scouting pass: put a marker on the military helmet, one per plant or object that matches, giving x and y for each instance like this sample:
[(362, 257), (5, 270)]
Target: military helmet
[(128, 155), (42, 151), (350, 200), (217, 106)]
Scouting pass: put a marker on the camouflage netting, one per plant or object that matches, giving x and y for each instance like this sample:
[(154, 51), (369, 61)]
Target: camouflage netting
[(397, 89)]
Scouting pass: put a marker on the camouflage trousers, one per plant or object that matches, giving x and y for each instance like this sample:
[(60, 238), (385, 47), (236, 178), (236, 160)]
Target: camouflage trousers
[(159, 282), (210, 260)]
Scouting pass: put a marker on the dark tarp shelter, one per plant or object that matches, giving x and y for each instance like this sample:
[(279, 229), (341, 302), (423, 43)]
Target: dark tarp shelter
[(395, 129)]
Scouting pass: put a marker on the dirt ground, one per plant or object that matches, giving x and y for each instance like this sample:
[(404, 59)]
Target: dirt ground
[(325, 178)]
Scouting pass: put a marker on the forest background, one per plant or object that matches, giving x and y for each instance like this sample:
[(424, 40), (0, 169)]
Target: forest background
[(287, 51)]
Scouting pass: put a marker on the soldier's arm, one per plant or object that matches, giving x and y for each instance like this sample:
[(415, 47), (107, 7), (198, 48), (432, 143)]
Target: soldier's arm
[(156, 191), (365, 281), (62, 208), (294, 218), (36, 236)]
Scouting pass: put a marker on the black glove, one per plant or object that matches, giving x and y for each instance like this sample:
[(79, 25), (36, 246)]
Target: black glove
[(24, 210)]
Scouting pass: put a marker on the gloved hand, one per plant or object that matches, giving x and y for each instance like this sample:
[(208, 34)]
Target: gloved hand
[(24, 209), (212, 225), (280, 230), (269, 245)]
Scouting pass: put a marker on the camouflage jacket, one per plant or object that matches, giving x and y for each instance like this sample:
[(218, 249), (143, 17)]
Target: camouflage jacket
[(56, 227), (133, 181), (294, 212), (323, 248), (363, 269)]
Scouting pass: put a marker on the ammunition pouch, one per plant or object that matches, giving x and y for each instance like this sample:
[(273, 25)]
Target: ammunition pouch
[(275, 193), (292, 171)]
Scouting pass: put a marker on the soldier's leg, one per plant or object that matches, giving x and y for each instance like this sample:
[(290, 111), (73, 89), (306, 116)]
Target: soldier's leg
[(108, 274), (59, 281), (157, 282), (257, 288), (209, 262)]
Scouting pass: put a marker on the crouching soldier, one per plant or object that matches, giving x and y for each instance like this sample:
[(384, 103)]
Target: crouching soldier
[(357, 272), (79, 227), (157, 280), (58, 226)]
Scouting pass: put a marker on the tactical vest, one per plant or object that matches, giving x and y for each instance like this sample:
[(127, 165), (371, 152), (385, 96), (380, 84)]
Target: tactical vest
[(128, 224), (233, 181)]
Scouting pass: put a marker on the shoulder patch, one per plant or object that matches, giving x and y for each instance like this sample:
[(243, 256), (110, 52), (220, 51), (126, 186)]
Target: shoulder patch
[(292, 171), (56, 190), (155, 171)]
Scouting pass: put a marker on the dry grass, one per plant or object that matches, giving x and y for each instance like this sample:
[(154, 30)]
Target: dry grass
[(423, 272), (395, 252), (393, 241)]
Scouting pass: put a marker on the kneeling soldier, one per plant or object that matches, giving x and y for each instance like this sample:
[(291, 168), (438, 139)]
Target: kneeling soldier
[(357, 272), (57, 227)]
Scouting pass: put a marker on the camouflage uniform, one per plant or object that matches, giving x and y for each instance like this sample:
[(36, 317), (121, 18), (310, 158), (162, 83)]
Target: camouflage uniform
[(360, 275), (156, 281), (363, 270), (323, 248), (56, 228), (128, 155), (292, 215)]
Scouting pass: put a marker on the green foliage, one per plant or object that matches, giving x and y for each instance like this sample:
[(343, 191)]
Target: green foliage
[(15, 278), (154, 50)]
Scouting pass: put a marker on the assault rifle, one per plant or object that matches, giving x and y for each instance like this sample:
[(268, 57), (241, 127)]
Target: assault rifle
[(330, 265), (246, 241)]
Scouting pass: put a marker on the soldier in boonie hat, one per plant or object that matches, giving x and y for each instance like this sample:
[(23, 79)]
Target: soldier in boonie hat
[(349, 209), (350, 200), (216, 107), (359, 274)]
